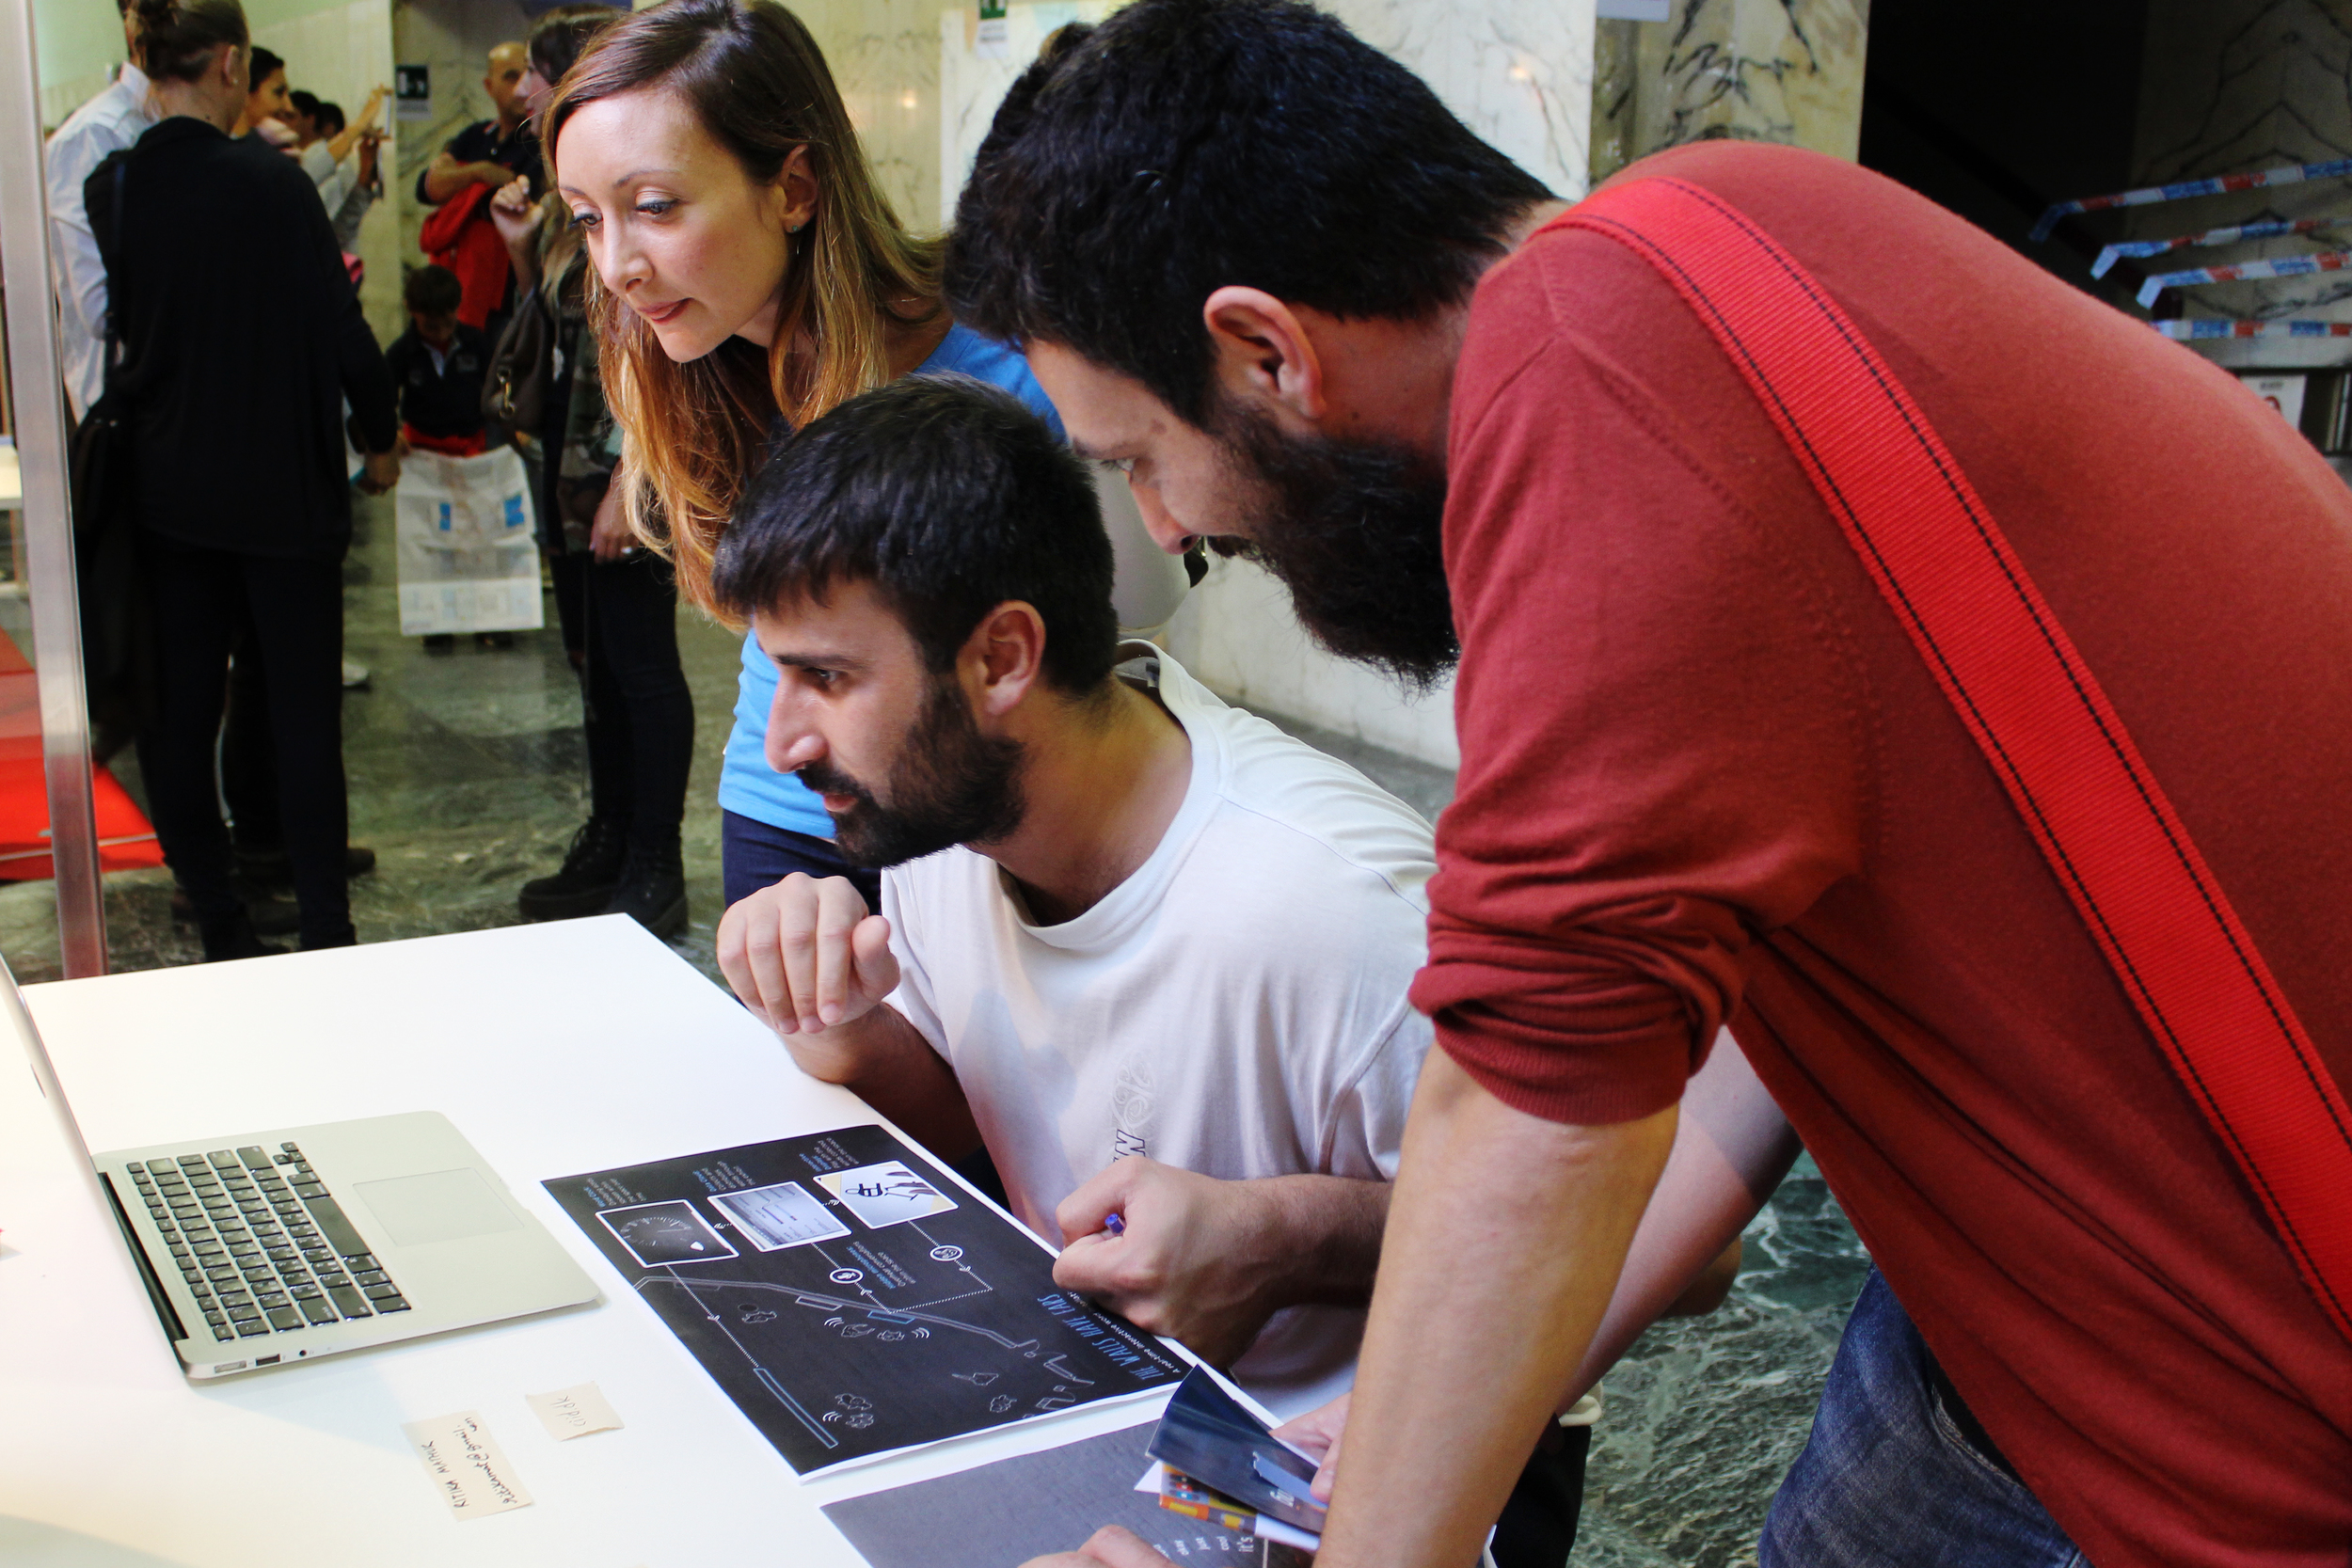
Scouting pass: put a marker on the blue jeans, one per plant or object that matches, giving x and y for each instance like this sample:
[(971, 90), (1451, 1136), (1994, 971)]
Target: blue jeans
[(754, 854), (1889, 1480)]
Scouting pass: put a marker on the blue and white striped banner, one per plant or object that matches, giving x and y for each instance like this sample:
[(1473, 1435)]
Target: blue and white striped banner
[(2230, 235), (2181, 189), (2243, 272), (2198, 331)]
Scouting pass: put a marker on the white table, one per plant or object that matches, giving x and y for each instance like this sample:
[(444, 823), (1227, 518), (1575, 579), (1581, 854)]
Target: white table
[(556, 1049)]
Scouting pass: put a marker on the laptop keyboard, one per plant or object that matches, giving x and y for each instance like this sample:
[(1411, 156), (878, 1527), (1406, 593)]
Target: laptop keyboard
[(262, 1241)]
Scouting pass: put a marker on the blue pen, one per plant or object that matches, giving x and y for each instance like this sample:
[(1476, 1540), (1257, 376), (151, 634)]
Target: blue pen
[(1113, 1224)]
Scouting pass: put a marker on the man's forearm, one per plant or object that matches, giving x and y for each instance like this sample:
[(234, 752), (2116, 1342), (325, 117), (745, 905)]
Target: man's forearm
[(1731, 1148), (446, 177), (1504, 1238), (1322, 1235), (885, 1061), (443, 178)]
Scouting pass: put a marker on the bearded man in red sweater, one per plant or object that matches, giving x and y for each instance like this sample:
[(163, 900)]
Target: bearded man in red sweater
[(1706, 778)]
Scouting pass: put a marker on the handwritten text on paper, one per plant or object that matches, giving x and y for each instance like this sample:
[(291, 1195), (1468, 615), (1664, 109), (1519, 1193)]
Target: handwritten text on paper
[(573, 1412), (468, 1470)]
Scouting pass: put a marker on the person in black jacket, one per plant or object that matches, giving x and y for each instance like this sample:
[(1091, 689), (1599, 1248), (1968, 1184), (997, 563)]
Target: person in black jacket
[(236, 359)]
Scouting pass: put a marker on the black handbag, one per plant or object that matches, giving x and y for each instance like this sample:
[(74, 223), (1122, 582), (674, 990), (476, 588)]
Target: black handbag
[(514, 388), (117, 631)]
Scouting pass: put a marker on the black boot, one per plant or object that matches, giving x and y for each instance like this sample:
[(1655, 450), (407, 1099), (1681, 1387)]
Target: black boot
[(231, 937), (269, 867), (272, 916), (652, 891), (592, 870)]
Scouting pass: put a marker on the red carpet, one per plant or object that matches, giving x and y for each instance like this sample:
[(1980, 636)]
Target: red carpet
[(126, 841)]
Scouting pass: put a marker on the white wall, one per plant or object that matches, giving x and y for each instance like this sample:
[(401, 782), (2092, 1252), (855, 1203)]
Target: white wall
[(342, 54)]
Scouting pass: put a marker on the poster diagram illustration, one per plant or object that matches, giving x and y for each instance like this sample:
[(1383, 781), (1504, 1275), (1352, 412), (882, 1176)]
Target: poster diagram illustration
[(850, 1299)]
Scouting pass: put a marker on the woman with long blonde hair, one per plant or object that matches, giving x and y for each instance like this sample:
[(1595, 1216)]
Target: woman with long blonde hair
[(749, 276)]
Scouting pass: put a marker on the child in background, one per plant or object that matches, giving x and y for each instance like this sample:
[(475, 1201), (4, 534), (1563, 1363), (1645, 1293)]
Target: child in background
[(438, 366)]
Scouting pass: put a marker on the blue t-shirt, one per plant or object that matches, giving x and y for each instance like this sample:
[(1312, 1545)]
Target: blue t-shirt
[(747, 785)]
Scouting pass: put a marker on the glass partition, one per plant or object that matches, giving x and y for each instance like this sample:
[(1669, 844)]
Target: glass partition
[(47, 810)]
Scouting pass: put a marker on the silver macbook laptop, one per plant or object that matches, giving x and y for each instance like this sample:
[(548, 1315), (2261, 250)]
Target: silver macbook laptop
[(268, 1247)]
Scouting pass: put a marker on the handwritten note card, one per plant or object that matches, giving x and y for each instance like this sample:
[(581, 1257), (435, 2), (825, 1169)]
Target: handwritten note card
[(471, 1474), (573, 1412)]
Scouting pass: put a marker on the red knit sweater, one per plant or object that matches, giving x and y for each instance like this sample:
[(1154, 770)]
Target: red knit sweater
[(1705, 777)]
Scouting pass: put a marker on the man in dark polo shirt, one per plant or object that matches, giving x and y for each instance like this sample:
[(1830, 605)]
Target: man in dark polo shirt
[(490, 151), (1706, 778)]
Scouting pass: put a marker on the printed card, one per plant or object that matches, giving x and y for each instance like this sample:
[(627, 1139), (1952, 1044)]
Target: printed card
[(784, 1215), (885, 1195), (657, 1234)]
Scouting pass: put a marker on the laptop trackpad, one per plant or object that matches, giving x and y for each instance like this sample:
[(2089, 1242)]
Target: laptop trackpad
[(445, 1206)]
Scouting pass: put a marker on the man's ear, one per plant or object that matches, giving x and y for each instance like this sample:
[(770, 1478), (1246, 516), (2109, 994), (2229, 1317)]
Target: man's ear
[(1264, 356), (1004, 658)]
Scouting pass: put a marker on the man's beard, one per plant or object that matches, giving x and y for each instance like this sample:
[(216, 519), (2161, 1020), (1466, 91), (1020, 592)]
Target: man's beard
[(949, 785), (1355, 530)]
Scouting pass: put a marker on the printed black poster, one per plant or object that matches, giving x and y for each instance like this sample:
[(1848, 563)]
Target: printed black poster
[(850, 1299)]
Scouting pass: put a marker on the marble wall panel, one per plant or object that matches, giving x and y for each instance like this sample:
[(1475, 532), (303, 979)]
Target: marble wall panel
[(885, 59), (1520, 72), (1236, 632), (1777, 71)]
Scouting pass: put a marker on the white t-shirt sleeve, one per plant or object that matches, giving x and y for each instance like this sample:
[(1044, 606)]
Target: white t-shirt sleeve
[(1364, 1136), (914, 998)]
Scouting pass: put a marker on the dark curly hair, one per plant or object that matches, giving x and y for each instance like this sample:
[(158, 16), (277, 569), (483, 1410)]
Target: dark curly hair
[(1180, 146)]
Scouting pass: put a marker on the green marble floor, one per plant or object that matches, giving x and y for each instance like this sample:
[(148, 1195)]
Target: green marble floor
[(466, 778)]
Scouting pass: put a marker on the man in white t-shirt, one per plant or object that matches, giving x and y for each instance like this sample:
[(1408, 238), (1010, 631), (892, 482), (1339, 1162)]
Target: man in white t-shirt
[(1148, 949)]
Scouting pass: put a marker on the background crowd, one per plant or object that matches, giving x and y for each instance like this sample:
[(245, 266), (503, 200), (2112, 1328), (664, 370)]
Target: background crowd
[(214, 350)]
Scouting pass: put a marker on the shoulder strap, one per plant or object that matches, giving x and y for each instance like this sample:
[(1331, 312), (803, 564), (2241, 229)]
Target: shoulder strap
[(2017, 681)]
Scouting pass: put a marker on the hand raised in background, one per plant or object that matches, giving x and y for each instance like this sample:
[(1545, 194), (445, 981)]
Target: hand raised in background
[(514, 211)]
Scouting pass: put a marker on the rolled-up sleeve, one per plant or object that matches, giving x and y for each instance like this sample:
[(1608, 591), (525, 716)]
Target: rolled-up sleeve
[(1665, 750)]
